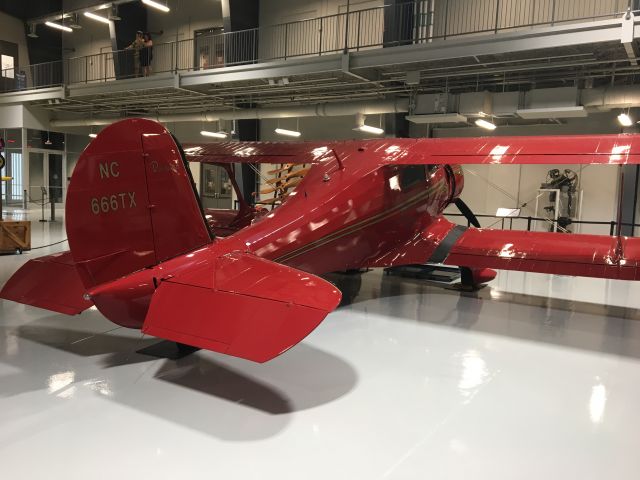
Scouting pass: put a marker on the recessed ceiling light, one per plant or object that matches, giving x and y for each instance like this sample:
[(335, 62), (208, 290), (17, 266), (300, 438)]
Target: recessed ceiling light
[(157, 5), (625, 120), (288, 133), (206, 133), (99, 18), (485, 124), (369, 129), (58, 26)]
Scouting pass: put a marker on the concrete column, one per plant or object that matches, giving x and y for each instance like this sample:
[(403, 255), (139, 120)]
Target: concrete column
[(399, 20), (629, 197), (242, 16)]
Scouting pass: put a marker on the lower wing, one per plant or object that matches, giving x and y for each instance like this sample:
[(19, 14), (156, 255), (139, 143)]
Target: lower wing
[(599, 256)]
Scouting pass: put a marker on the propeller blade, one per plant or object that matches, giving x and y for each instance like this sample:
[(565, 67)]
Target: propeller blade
[(466, 211)]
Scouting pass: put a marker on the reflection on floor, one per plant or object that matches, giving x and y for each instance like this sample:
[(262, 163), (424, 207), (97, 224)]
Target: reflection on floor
[(533, 377)]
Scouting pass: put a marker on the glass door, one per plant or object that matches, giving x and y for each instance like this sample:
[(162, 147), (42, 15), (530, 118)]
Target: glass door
[(55, 177), (36, 188), (216, 187), (46, 173)]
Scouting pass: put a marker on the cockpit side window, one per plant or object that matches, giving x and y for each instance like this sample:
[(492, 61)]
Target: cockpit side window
[(411, 175)]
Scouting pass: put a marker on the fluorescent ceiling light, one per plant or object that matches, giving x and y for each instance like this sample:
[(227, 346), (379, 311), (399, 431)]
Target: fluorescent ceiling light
[(369, 129), (553, 112), (625, 120), (437, 118), (205, 133), (288, 133), (485, 124), (157, 5), (99, 18), (58, 26), (93, 135)]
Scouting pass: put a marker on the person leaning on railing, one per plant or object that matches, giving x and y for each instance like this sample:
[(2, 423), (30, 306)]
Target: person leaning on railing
[(146, 54), (137, 45)]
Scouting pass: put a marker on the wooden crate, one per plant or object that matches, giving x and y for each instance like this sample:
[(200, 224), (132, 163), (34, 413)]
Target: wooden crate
[(15, 236)]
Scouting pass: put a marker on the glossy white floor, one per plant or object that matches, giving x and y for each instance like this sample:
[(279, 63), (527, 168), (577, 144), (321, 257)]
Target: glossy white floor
[(406, 381)]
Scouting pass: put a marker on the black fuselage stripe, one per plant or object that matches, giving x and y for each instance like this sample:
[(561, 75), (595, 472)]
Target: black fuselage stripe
[(441, 252)]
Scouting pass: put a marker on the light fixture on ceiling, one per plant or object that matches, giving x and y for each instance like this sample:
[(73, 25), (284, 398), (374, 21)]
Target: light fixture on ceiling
[(369, 129), (482, 123), (58, 26), (113, 13), (74, 21), (48, 141), (32, 31), (362, 127), (625, 120), (437, 118), (93, 135), (157, 5), (99, 18), (552, 112), (288, 133), (206, 133)]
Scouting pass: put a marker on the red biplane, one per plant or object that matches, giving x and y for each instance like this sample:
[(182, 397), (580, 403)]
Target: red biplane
[(142, 251)]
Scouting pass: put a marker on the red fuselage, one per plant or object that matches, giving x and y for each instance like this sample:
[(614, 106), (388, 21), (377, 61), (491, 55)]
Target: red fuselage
[(343, 215)]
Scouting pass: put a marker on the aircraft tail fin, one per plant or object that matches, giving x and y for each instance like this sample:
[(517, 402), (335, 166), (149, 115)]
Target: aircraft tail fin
[(240, 305), (131, 203)]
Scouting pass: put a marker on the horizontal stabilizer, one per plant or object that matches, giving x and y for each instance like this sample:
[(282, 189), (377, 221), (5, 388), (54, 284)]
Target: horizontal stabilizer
[(240, 305), (50, 282)]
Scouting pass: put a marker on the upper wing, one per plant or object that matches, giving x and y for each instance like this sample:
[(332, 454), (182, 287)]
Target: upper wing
[(574, 149), (256, 152), (551, 150)]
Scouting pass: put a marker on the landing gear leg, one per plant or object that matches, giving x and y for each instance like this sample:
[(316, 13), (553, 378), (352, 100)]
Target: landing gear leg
[(472, 279), (467, 282)]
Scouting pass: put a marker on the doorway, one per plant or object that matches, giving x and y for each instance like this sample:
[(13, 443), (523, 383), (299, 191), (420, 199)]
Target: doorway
[(216, 187), (208, 48), (46, 172)]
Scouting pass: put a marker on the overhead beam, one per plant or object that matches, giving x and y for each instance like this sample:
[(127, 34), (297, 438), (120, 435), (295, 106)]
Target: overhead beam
[(26, 96)]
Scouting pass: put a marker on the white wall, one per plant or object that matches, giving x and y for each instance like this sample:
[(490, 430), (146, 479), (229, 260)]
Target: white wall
[(185, 18), (11, 116), (92, 38), (478, 15), (304, 38), (12, 30)]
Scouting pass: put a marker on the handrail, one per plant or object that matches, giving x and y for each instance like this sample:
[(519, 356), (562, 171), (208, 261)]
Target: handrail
[(411, 22), (612, 224)]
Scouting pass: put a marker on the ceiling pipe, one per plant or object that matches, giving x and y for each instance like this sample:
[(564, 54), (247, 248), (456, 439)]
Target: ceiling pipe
[(332, 109)]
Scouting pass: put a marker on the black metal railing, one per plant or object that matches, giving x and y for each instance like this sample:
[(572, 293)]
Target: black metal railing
[(412, 22), (528, 223)]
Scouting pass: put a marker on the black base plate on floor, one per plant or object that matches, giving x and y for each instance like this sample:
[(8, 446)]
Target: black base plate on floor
[(169, 350)]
